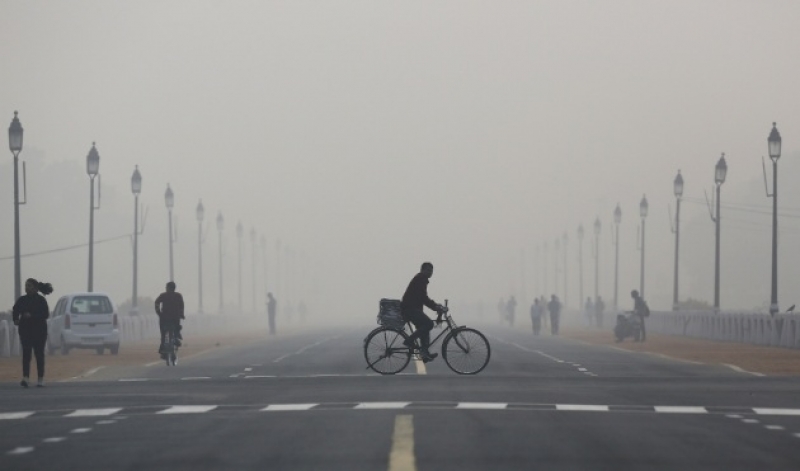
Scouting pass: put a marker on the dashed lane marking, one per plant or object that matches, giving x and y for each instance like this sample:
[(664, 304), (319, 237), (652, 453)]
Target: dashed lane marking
[(482, 405), (681, 410), (582, 408), (287, 355), (15, 415), (771, 411), (382, 405), (401, 456), (54, 439), (81, 430), (92, 412), (187, 410), (288, 407), (21, 450), (775, 427)]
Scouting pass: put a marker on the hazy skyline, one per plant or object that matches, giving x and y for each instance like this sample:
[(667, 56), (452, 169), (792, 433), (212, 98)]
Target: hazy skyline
[(375, 136)]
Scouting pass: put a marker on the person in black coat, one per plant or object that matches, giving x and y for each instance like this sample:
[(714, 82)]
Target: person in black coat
[(30, 315)]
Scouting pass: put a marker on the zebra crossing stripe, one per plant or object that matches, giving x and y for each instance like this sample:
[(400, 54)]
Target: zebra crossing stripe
[(482, 405), (772, 411), (680, 410), (92, 412), (187, 410), (15, 415), (288, 407), (581, 407)]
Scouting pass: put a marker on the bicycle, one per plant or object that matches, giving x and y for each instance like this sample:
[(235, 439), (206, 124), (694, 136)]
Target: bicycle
[(465, 350), (170, 354)]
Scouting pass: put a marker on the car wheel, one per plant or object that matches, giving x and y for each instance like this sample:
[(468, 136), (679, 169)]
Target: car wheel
[(64, 348), (114, 349)]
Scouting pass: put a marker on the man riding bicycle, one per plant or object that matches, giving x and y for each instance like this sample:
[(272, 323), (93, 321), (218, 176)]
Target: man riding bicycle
[(415, 297), (169, 307)]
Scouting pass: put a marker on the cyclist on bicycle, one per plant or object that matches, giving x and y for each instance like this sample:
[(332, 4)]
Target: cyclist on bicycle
[(415, 297), (169, 307)]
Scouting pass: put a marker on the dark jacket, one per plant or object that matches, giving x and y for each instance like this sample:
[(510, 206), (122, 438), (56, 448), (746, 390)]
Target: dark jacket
[(36, 305), (169, 306), (416, 295)]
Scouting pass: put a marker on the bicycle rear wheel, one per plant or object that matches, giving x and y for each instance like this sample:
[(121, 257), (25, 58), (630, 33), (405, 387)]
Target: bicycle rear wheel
[(385, 352), (466, 351)]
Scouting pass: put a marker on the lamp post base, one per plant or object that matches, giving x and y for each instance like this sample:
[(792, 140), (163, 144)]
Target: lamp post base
[(773, 309)]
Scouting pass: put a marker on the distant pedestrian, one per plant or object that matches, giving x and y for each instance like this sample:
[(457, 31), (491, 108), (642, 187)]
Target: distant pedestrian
[(641, 310), (554, 306), (537, 310), (588, 311), (272, 307), (599, 307), (30, 314), (511, 310)]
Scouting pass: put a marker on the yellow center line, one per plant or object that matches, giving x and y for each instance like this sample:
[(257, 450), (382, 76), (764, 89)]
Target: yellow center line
[(401, 458)]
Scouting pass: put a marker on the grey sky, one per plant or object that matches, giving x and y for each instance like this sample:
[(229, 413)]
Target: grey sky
[(376, 135)]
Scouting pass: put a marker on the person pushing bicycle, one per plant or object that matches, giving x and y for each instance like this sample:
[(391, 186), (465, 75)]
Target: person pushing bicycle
[(169, 307), (415, 297)]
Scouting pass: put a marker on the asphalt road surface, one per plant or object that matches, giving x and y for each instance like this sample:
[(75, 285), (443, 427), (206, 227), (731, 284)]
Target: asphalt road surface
[(306, 401)]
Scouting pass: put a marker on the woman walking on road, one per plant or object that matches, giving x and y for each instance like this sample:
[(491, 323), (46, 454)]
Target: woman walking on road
[(30, 314)]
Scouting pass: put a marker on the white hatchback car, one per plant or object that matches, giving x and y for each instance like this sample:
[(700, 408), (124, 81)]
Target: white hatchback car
[(84, 320)]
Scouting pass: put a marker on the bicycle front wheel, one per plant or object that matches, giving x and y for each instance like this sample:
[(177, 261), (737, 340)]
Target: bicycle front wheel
[(385, 352), (466, 351)]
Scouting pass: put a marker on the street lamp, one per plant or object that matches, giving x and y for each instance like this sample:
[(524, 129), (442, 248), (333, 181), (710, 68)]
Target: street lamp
[(774, 143), (564, 238), (239, 234), (720, 172), (643, 207), (220, 227), (253, 281), (617, 221), (200, 214), (92, 169), (678, 190), (15, 133), (136, 189), (169, 200), (580, 264), (557, 246), (596, 255)]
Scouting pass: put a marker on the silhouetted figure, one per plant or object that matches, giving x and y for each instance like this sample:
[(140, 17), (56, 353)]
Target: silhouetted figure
[(588, 311), (415, 297), (169, 307), (554, 306), (537, 311), (272, 306), (511, 310), (30, 314), (641, 310), (599, 307)]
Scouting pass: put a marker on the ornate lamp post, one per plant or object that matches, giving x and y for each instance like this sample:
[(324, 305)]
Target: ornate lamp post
[(678, 190), (136, 189), (220, 227), (643, 207), (15, 133), (580, 265), (774, 142), (720, 172), (169, 200), (92, 169), (617, 221), (200, 215), (239, 234), (596, 256)]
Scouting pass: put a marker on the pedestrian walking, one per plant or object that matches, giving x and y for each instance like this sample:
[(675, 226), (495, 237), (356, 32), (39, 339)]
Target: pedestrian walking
[(30, 314), (537, 310), (599, 307), (272, 307), (641, 310), (554, 306), (588, 311)]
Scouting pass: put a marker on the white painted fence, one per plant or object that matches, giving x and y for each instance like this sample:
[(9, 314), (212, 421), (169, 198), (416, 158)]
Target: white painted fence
[(782, 330)]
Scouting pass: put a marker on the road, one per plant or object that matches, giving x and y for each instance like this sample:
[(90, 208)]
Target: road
[(305, 401)]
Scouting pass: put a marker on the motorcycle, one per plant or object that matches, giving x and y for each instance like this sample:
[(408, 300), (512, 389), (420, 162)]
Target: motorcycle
[(628, 325)]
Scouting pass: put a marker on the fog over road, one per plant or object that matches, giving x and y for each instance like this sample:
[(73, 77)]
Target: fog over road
[(305, 401)]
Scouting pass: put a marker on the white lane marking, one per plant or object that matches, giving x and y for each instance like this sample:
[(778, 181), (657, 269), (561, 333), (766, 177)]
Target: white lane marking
[(81, 430), (286, 355), (130, 380), (288, 407), (750, 421), (582, 369), (539, 352), (187, 410), (581, 407), (680, 410), (85, 374), (401, 457), (482, 405), (248, 369), (14, 415), (774, 427), (193, 378), (733, 416), (421, 369), (106, 422), (772, 411), (21, 450), (382, 405), (260, 376), (92, 412), (741, 370), (54, 439)]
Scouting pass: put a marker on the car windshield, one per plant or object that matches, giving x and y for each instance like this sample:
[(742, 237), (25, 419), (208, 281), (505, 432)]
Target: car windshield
[(90, 305)]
